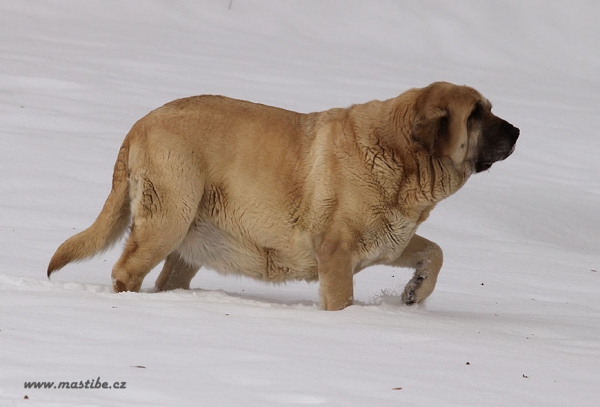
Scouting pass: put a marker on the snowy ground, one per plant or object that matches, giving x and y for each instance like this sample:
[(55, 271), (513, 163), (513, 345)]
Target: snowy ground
[(514, 320)]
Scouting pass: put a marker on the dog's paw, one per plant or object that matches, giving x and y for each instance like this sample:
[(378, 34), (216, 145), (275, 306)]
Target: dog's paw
[(410, 295), (120, 286)]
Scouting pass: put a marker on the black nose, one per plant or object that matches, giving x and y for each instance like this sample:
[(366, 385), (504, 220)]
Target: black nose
[(511, 131)]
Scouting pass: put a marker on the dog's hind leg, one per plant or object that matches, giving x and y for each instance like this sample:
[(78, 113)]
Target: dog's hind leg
[(162, 212), (176, 273)]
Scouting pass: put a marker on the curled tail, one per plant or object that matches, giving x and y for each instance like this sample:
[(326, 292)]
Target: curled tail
[(110, 225)]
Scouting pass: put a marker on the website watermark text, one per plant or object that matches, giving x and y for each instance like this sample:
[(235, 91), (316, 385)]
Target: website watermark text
[(88, 384)]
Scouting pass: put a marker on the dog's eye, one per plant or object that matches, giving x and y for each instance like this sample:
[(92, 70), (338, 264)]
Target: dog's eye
[(477, 112)]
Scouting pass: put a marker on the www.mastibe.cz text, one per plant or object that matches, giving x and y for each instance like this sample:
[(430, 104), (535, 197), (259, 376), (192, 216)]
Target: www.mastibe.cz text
[(88, 384)]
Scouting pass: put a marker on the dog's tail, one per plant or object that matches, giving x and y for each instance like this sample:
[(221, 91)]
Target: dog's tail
[(110, 225)]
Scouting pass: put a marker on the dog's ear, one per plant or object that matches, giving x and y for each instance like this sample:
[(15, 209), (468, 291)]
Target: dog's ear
[(428, 124), (453, 141)]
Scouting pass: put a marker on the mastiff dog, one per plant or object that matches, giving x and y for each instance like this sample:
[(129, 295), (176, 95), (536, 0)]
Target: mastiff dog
[(244, 188)]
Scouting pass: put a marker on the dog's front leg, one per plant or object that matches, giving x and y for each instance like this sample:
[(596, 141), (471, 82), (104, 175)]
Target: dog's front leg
[(426, 258), (336, 272)]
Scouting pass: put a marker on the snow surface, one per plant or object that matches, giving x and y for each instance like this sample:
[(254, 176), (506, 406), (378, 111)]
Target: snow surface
[(514, 320)]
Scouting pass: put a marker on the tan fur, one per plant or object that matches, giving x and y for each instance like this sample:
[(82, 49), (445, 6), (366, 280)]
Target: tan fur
[(276, 195)]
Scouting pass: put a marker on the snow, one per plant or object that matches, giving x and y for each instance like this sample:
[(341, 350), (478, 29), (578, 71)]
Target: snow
[(514, 318)]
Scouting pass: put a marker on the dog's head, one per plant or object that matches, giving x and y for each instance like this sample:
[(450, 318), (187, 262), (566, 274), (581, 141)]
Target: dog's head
[(456, 122)]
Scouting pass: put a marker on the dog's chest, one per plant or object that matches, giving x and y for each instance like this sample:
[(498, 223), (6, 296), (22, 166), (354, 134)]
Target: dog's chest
[(384, 237)]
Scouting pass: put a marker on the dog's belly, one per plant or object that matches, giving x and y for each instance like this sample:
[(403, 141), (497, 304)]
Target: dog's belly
[(207, 245)]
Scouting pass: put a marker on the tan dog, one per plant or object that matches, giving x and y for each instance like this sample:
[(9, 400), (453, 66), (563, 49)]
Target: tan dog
[(244, 188)]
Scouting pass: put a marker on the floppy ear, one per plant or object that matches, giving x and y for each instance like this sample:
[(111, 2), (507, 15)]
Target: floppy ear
[(429, 123), (452, 142)]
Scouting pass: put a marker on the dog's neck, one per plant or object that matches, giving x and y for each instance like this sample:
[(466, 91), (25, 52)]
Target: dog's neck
[(427, 180), (402, 167)]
